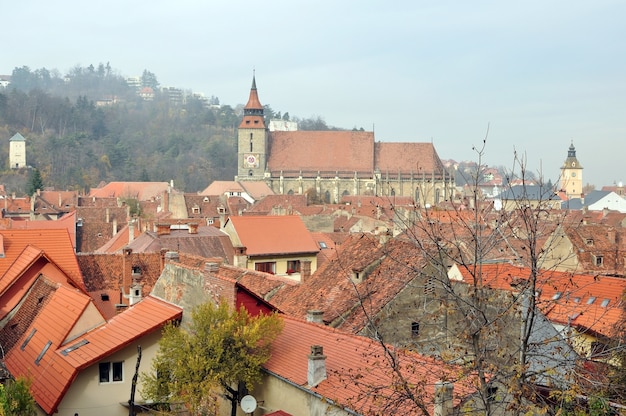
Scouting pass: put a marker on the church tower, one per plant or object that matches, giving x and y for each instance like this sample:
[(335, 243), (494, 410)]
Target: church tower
[(572, 175), (252, 139)]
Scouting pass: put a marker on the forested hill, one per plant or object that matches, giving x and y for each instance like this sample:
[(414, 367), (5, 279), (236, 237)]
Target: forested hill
[(91, 125)]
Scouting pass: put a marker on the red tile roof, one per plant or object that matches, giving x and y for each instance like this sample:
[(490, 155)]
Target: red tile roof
[(358, 373), (593, 303), (324, 151), (406, 158), (273, 235), (58, 367), (142, 191), (56, 243)]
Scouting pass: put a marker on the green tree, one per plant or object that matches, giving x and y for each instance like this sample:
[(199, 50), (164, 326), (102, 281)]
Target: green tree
[(35, 182), (15, 398), (218, 351)]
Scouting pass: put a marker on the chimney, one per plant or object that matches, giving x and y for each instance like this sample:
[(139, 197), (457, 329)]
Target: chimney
[(305, 270), (241, 258), (317, 366), (315, 316), (163, 229), (611, 235), (60, 200), (131, 231), (443, 398), (114, 226), (193, 228), (172, 256), (211, 267), (108, 215)]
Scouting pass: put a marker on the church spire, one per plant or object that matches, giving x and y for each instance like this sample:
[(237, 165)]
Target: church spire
[(253, 114)]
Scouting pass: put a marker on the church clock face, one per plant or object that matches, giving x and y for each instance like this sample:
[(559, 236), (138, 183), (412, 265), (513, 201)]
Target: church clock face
[(251, 161)]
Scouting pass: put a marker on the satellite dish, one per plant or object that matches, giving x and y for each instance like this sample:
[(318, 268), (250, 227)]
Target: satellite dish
[(248, 403)]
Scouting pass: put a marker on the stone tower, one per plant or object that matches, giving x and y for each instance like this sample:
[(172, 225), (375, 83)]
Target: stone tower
[(252, 140), (17, 152), (572, 175)]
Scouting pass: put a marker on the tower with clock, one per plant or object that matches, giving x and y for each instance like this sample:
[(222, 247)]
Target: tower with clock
[(252, 139), (572, 175)]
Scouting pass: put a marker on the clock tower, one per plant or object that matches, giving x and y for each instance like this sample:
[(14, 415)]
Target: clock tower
[(252, 140), (572, 175)]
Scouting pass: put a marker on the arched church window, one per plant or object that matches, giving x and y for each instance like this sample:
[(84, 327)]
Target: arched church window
[(327, 197), (250, 141)]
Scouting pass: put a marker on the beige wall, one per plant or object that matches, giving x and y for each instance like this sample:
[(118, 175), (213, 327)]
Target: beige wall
[(87, 397)]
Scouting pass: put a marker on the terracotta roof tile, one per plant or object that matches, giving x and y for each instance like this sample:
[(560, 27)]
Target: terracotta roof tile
[(143, 191), (407, 158), (58, 368), (353, 365), (324, 151), (56, 243), (273, 235)]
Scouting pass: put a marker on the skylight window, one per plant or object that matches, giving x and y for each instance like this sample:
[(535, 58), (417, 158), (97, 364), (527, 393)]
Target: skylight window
[(557, 295), (43, 352), (323, 245), (74, 347), (27, 340), (577, 299), (605, 303), (591, 300)]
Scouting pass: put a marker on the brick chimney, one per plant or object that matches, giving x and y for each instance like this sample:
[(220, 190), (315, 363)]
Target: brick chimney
[(305, 270), (443, 398), (193, 228), (317, 366), (163, 229)]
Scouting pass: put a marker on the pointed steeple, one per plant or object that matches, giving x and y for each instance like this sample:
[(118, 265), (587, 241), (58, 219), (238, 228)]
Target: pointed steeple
[(571, 161), (253, 116)]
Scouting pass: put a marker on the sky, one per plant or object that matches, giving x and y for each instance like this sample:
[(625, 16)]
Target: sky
[(524, 78)]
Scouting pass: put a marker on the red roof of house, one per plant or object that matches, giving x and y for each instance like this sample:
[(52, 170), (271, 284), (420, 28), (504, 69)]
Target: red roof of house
[(67, 221), (272, 235), (586, 301), (56, 243), (358, 374), (142, 191), (53, 368)]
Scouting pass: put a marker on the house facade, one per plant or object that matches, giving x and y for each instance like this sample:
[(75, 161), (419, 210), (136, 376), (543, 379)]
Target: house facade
[(279, 245), (328, 165)]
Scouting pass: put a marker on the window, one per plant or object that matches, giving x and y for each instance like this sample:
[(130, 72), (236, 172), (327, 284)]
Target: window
[(598, 260), (111, 371), (293, 266), (415, 328), (323, 244), (589, 241), (605, 303), (266, 267), (557, 296), (591, 300), (429, 286)]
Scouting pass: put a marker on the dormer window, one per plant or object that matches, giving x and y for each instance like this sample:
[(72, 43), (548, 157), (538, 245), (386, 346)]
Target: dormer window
[(589, 241), (597, 260)]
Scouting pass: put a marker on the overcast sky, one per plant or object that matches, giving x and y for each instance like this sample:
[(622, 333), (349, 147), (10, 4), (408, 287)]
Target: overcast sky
[(539, 73)]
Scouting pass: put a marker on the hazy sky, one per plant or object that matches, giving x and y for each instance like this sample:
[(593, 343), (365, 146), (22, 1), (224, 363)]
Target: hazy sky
[(539, 73)]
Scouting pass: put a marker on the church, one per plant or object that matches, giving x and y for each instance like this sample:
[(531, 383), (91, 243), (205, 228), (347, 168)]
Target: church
[(334, 164)]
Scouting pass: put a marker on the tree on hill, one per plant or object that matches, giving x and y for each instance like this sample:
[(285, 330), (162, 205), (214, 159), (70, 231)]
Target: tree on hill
[(219, 351), (35, 182)]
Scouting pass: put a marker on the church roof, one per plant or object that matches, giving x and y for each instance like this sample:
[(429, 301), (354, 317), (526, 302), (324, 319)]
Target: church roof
[(321, 151), (407, 158)]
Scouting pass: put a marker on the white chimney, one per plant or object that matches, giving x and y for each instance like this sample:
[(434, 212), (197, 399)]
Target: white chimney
[(443, 398), (317, 366)]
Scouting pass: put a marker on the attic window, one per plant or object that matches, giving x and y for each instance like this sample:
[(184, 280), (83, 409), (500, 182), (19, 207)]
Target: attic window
[(605, 303), (27, 340), (415, 328), (598, 260), (43, 352), (74, 347), (323, 244), (591, 300), (195, 210), (206, 199), (557, 295), (589, 241), (104, 297)]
